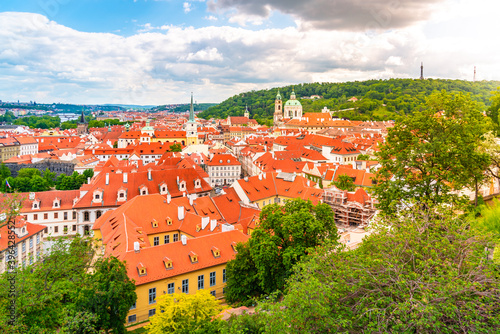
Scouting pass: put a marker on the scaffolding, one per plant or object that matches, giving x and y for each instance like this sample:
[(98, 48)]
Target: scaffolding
[(350, 212)]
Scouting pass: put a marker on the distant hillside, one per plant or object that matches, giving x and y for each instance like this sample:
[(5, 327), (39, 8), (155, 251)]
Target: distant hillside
[(378, 99)]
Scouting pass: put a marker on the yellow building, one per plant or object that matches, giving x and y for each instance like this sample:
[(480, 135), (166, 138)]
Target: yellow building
[(169, 245)]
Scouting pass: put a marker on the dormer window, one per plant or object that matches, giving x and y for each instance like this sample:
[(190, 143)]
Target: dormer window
[(197, 183), (56, 203), (215, 252), (163, 188), (143, 190), (154, 223), (193, 257), (168, 263), (182, 186), (141, 269), (36, 205), (233, 246), (98, 194), (169, 221)]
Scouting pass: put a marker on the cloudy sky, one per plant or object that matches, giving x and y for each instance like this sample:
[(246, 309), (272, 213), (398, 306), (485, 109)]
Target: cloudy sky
[(158, 51)]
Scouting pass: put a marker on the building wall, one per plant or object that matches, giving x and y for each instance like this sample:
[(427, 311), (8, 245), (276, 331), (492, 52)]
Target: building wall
[(25, 255)]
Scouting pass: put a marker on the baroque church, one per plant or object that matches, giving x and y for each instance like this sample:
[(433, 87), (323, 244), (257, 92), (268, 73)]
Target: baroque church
[(291, 110)]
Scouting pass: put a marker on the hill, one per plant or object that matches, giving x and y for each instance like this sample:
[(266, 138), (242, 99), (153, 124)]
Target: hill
[(377, 99)]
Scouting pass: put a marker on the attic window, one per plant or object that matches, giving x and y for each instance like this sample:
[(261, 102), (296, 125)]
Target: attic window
[(193, 257), (168, 263), (154, 223), (233, 246), (215, 252), (169, 221), (141, 270)]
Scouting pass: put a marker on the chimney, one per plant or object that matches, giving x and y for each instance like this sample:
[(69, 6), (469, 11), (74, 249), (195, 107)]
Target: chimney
[(246, 178), (264, 176), (260, 177), (190, 200), (204, 222), (125, 177), (177, 179), (213, 225), (184, 239), (180, 212), (88, 180), (169, 198), (107, 178), (137, 247), (149, 175), (308, 183)]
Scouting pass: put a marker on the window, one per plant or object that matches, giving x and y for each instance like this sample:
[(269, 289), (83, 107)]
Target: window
[(171, 288), (132, 318), (24, 246), (176, 237), (86, 216), (98, 214), (56, 229), (166, 239), (133, 306), (185, 286), (201, 282), (223, 291), (223, 275), (97, 196), (212, 293), (31, 242), (35, 216), (156, 241), (37, 239), (212, 278), (151, 312), (74, 228), (74, 214), (56, 215), (65, 216), (45, 216), (152, 295)]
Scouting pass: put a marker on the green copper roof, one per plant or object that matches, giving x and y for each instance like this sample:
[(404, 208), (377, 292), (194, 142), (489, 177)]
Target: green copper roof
[(278, 96)]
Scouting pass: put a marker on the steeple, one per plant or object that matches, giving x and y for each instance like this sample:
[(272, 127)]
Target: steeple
[(246, 114), (82, 118), (278, 96), (422, 71), (191, 111)]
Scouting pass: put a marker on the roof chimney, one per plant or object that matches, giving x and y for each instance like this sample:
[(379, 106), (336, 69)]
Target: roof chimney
[(137, 247), (190, 199), (177, 179), (204, 222), (184, 239), (149, 175), (260, 177), (107, 178), (308, 183), (169, 198), (213, 225), (125, 177), (180, 212)]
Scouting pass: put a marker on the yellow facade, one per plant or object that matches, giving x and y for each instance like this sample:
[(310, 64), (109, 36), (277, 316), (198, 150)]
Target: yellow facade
[(143, 304)]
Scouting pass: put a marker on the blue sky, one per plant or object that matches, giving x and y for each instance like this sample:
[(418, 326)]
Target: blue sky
[(157, 52)]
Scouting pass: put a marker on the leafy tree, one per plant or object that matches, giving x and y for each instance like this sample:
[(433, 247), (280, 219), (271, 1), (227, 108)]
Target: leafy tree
[(344, 182), (246, 323), (285, 235), (50, 177), (57, 286), (28, 172), (184, 313), (108, 293), (38, 183), (363, 157), (424, 272), (88, 173), (175, 147), (432, 153)]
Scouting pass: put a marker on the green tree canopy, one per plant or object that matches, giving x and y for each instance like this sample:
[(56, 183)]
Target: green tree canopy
[(344, 182), (424, 272), (435, 151), (285, 235)]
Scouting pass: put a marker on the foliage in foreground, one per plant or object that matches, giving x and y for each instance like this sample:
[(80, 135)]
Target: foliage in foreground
[(66, 291), (186, 313), (286, 234), (426, 272)]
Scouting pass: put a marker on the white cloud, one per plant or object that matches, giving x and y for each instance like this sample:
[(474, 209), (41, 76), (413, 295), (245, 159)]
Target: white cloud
[(187, 7), (44, 60)]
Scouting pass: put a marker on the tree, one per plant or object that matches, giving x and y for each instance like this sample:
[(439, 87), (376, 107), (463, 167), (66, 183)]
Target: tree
[(424, 272), (109, 293), (28, 172), (68, 280), (363, 157), (38, 183), (184, 313), (430, 154), (285, 235), (344, 182), (50, 177), (176, 147)]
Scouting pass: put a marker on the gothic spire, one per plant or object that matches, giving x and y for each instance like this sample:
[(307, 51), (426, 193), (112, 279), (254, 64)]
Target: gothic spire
[(191, 110)]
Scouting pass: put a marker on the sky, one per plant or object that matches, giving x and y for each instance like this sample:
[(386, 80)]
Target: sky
[(154, 52)]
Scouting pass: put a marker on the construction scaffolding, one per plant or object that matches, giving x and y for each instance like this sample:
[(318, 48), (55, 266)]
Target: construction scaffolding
[(351, 208)]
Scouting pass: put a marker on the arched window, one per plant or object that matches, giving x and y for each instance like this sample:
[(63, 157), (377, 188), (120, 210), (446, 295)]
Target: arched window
[(98, 214), (86, 216)]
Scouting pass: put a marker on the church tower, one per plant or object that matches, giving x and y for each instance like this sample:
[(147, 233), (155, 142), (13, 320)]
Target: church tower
[(191, 127), (82, 127), (421, 71), (246, 114), (278, 110)]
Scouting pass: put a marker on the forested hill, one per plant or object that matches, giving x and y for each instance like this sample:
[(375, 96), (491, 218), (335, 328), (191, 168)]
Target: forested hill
[(378, 99)]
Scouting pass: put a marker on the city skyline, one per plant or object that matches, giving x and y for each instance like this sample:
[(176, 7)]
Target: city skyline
[(157, 52)]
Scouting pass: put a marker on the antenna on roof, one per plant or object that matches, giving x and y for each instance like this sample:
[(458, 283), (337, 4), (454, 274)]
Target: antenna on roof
[(474, 74), (422, 71)]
